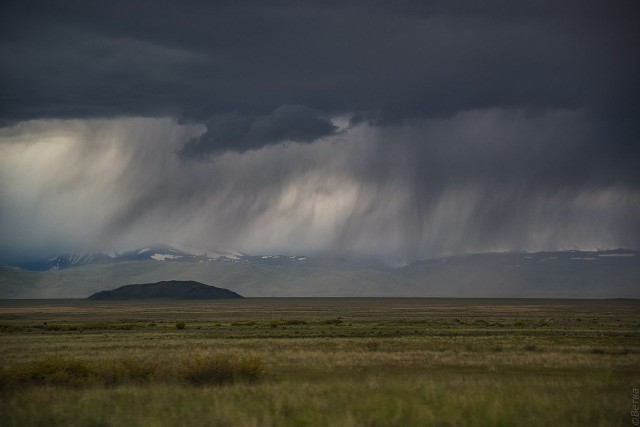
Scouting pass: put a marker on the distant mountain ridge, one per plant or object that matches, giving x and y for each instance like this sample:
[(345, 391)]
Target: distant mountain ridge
[(157, 252), (166, 253), (172, 289), (560, 274)]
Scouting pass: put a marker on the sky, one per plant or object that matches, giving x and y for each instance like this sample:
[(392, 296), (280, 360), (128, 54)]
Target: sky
[(392, 130)]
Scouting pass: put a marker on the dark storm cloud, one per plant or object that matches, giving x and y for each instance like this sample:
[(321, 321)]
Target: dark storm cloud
[(426, 128), (392, 60), (233, 132)]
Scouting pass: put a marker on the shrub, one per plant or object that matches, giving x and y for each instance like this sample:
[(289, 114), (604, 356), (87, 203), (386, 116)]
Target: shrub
[(286, 322), (91, 326), (247, 323), (128, 370), (294, 322), (335, 321), (180, 325), (372, 345), (221, 370), (50, 372), (11, 328)]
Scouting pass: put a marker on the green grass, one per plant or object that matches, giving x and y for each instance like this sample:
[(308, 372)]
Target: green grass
[(317, 362), (436, 399), (200, 370)]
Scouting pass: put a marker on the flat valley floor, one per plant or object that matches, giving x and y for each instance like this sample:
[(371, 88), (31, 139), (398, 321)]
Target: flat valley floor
[(319, 362)]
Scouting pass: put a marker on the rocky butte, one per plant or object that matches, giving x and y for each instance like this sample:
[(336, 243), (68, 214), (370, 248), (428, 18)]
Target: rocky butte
[(173, 289)]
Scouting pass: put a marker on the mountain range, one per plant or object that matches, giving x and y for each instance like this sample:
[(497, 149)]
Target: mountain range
[(158, 252), (560, 274)]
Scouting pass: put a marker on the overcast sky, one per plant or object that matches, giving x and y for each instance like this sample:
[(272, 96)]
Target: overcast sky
[(399, 130)]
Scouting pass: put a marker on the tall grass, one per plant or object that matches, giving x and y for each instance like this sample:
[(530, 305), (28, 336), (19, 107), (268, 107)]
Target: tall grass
[(438, 399), (220, 370), (212, 370), (49, 372)]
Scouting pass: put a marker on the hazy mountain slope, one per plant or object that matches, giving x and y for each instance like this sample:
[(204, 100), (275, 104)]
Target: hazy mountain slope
[(18, 283), (579, 274), (247, 278), (611, 274)]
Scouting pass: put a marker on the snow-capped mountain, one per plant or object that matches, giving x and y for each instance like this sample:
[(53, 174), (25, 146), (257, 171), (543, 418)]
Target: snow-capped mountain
[(158, 252)]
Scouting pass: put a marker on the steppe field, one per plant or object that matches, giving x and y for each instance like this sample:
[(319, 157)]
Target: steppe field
[(319, 362)]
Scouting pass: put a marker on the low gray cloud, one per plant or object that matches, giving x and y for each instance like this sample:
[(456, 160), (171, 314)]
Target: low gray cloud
[(394, 61), (240, 133)]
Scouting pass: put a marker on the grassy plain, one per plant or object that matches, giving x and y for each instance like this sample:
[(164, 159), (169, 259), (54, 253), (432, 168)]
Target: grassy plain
[(351, 362)]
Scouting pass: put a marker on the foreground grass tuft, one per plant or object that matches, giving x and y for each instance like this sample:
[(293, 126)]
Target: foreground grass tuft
[(49, 372), (214, 370), (220, 370)]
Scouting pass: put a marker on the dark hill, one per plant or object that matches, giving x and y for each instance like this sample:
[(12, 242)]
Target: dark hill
[(169, 290)]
